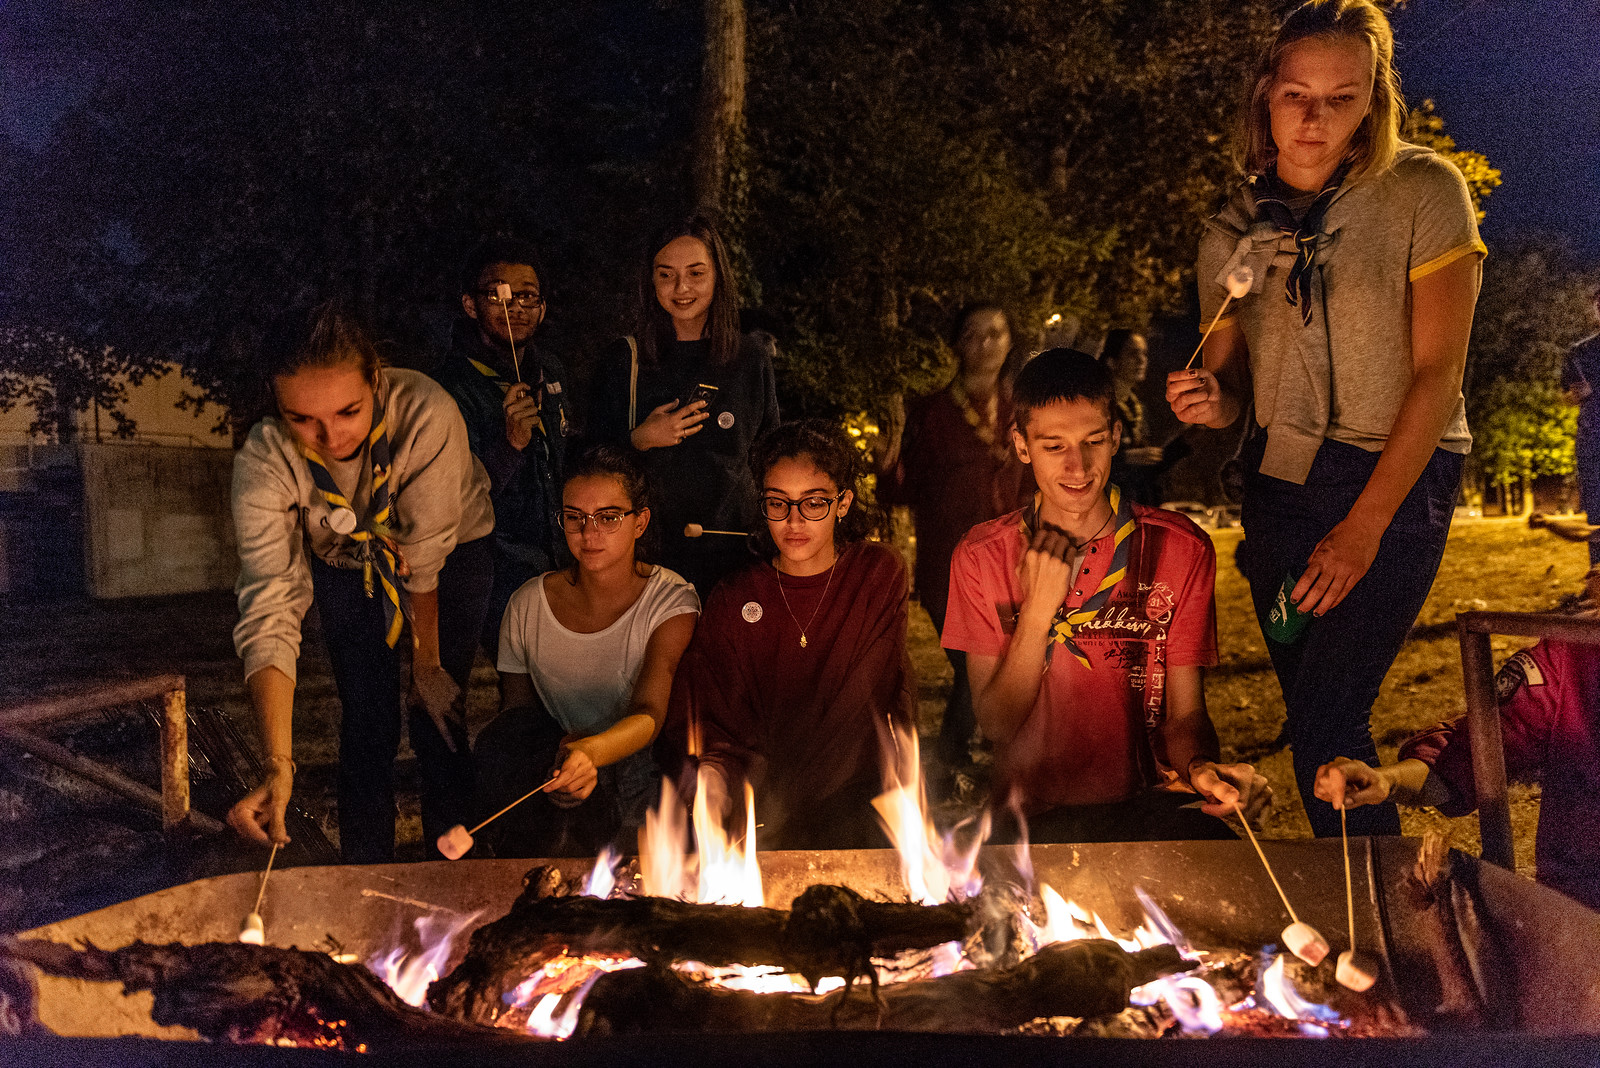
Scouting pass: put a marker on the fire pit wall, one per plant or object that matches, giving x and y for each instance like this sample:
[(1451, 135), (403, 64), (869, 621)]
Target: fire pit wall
[(1533, 956)]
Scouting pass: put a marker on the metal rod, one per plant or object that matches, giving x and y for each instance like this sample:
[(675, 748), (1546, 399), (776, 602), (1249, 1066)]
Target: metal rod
[(98, 773), (174, 759), (1488, 746), (88, 699), (1532, 625)]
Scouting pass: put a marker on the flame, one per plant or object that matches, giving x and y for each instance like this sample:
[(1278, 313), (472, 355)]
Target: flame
[(1191, 1000), (934, 867), (1067, 921), (603, 879), (1273, 987), (729, 871), (409, 975), (663, 843)]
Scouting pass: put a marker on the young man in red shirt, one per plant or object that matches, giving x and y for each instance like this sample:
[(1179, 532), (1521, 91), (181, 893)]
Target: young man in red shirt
[(1087, 621)]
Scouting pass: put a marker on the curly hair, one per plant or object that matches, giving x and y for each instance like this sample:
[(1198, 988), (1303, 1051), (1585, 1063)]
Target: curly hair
[(827, 446)]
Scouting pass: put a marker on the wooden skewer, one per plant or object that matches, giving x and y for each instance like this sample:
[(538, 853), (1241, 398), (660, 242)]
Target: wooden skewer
[(1358, 971), (261, 893), (513, 804), (503, 291), (1349, 889), (1215, 319), (695, 530), (1265, 863), (1240, 279)]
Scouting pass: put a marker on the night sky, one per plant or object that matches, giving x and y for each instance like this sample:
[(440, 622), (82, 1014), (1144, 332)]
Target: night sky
[(1518, 80)]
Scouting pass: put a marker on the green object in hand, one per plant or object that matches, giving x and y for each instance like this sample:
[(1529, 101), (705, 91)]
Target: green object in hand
[(1285, 622)]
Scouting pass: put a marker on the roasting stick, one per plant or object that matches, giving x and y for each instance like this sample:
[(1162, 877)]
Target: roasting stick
[(254, 930), (455, 842), (695, 530), (1303, 940), (1358, 971), (1239, 281), (503, 291)]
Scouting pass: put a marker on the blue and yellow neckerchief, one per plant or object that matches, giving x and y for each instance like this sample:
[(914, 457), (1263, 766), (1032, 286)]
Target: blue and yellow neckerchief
[(379, 552), (1067, 622), (538, 395), (1272, 201)]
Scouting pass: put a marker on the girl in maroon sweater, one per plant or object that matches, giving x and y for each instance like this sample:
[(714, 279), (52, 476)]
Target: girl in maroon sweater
[(798, 668)]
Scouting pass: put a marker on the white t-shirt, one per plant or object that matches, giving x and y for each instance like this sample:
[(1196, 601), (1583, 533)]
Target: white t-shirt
[(586, 680)]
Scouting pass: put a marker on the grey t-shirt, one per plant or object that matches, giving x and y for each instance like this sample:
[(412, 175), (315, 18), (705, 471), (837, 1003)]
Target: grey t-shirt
[(1345, 375)]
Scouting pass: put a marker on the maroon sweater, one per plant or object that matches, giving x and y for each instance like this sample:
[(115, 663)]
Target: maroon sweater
[(805, 726)]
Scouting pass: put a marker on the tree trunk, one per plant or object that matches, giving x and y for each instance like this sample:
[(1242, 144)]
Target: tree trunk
[(1527, 495), (719, 124)]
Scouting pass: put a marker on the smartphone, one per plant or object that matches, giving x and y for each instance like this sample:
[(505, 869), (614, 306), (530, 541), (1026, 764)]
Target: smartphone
[(701, 392)]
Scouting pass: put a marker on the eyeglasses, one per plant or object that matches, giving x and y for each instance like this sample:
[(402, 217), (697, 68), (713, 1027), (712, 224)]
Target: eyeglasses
[(605, 521), (526, 299), (777, 509)]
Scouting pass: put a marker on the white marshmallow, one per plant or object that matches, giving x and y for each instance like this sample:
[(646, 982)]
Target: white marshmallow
[(503, 290), (1240, 279), (455, 843), (1305, 942), (693, 530), (254, 932), (1356, 970)]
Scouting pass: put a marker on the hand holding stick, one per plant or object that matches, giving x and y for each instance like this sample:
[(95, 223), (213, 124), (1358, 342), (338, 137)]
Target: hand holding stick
[(1239, 281), (456, 842), (254, 930), (1302, 939)]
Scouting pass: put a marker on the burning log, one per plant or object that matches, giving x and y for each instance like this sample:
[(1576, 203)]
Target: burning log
[(830, 931), (1085, 978), (233, 992)]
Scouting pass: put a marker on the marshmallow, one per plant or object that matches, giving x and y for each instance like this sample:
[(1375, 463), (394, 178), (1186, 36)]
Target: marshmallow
[(1240, 279), (503, 290), (1304, 941), (254, 932), (693, 530), (456, 843), (1356, 970)]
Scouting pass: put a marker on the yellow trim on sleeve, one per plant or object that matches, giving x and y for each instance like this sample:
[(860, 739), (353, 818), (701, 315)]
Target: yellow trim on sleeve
[(1438, 263), (1224, 321)]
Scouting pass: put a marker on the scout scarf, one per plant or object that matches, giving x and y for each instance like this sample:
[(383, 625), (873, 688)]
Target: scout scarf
[(1067, 622), (983, 424), (538, 394), (379, 552), (1272, 201)]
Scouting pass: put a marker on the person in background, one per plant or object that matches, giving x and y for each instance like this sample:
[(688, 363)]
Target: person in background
[(690, 394), (948, 455), (1088, 621), (516, 411), (1349, 350), (361, 497), (1580, 372), (797, 678), (1549, 698), (1139, 465), (587, 657)]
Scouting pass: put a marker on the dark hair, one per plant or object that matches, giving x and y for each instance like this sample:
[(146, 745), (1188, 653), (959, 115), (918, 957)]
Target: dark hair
[(328, 335), (1060, 375), (613, 461), (958, 325), (493, 250), (654, 330), (827, 446), (1116, 341)]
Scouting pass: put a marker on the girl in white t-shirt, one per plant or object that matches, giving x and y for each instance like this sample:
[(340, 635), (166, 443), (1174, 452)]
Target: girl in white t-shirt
[(587, 656)]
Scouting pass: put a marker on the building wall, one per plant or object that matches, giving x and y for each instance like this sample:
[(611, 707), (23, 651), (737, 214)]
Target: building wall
[(153, 406), (157, 520)]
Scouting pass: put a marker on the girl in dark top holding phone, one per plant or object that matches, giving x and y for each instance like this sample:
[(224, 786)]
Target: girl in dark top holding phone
[(690, 394)]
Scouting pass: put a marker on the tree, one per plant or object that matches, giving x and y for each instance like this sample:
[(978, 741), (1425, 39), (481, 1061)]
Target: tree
[(719, 119), (1425, 126), (61, 377)]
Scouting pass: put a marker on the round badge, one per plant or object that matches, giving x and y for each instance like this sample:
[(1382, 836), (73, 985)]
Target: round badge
[(342, 520), (751, 612), (725, 420)]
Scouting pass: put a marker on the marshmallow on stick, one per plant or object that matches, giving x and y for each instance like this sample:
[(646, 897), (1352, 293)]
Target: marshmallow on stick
[(1301, 939), (457, 841), (1240, 279), (695, 530), (254, 931), (1355, 970), (503, 291)]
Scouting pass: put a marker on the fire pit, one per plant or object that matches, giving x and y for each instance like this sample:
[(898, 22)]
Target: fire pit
[(1505, 960)]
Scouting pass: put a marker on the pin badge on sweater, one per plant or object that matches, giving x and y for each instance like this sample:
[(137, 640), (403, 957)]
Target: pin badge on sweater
[(725, 420), (751, 612), (342, 520)]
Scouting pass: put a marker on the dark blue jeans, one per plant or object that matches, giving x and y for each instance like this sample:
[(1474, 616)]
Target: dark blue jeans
[(1331, 674), (368, 675), (1589, 478)]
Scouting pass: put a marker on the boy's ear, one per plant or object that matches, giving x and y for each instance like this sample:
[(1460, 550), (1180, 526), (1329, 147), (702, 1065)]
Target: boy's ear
[(1019, 443)]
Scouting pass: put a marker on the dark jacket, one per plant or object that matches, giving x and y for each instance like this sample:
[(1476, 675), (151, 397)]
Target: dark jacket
[(525, 486)]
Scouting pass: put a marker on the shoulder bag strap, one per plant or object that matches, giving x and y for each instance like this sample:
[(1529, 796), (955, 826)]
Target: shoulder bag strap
[(633, 381)]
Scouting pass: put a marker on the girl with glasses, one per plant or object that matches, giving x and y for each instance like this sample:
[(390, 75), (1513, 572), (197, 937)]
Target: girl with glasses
[(362, 497), (587, 656), (799, 667)]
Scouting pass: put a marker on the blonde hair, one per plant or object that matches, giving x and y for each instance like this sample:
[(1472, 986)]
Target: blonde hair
[(1373, 146)]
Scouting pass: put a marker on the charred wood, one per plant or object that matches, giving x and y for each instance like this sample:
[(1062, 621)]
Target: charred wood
[(1084, 978), (230, 992)]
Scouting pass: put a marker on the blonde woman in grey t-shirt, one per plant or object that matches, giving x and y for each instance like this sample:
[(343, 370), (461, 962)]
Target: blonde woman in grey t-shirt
[(1349, 350), (587, 657)]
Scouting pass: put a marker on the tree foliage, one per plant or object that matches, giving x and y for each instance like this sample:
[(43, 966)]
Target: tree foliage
[(1425, 126)]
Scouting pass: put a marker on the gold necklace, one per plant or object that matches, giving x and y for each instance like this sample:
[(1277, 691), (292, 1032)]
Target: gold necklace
[(826, 586)]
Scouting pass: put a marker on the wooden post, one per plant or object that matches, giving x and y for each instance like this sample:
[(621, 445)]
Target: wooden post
[(174, 760), (1488, 748)]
